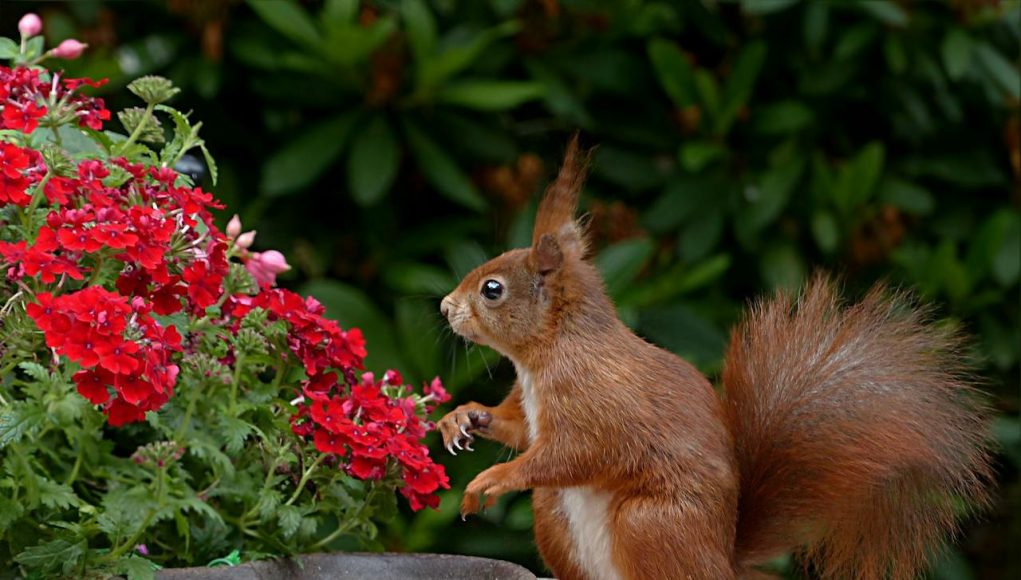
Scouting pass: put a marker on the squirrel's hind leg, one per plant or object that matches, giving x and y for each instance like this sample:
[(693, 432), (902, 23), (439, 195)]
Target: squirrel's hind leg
[(552, 536), (660, 537)]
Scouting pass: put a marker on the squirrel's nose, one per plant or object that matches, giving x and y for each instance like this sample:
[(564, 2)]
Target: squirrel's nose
[(446, 306)]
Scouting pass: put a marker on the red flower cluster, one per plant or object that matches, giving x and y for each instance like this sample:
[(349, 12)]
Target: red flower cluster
[(24, 97), (118, 345), (350, 419), (19, 169), (159, 238)]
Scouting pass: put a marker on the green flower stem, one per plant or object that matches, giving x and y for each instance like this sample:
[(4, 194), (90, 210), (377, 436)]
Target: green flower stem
[(304, 479), (74, 470), (96, 270), (138, 129), (342, 529), (125, 547), (238, 364), (192, 402), (37, 197)]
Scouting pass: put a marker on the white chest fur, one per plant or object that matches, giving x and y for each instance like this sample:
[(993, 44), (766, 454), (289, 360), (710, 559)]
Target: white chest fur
[(585, 509), (528, 404)]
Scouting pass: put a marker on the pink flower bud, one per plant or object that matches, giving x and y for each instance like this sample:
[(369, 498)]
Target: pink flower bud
[(245, 240), (264, 266), (69, 49), (234, 227), (274, 261), (142, 549), (30, 25)]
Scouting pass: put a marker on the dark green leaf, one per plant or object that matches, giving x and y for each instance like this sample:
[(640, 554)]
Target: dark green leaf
[(762, 7), (740, 84), (621, 262), (421, 27), (628, 168), (303, 160), (418, 325), (783, 118), (855, 40), (783, 267), (489, 95), (433, 71), (772, 194), (857, 180), (1004, 73), (673, 71), (339, 11), (373, 163), (816, 26), (701, 236), (906, 195), (1007, 260), (684, 331), (289, 19), (441, 171), (885, 11), (957, 53), (696, 155), (415, 278), (826, 231)]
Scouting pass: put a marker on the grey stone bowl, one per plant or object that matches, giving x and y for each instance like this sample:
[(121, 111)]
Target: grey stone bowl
[(352, 566)]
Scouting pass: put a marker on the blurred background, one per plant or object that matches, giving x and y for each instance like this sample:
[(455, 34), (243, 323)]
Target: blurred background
[(388, 147)]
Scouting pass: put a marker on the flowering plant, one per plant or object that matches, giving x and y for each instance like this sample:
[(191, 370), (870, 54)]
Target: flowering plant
[(161, 401)]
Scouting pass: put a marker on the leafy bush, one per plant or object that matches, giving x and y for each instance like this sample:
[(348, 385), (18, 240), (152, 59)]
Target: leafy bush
[(119, 286), (741, 144)]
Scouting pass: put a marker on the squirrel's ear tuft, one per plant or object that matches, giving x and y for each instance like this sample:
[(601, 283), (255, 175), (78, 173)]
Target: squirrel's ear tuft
[(557, 209), (546, 256)]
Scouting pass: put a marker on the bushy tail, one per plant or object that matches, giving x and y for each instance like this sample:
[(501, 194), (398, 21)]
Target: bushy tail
[(857, 436)]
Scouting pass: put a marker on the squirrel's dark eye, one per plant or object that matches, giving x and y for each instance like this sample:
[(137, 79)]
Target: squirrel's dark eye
[(491, 290)]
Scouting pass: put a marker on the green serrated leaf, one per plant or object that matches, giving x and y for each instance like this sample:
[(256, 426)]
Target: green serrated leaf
[(58, 554), (36, 371), (56, 495), (137, 568), (214, 173), (10, 511), (19, 420), (234, 431), (289, 518)]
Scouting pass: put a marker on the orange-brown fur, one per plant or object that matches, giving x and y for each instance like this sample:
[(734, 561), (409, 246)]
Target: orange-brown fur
[(844, 434)]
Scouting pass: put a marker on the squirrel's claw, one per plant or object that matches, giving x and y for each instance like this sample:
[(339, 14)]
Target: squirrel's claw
[(450, 448)]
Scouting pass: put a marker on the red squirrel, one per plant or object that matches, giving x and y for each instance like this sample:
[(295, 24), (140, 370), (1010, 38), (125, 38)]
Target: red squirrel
[(847, 434)]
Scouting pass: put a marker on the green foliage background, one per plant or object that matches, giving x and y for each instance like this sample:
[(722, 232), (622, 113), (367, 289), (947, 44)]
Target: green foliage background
[(388, 147)]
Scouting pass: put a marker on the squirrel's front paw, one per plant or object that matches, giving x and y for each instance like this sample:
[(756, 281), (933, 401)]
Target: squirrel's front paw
[(491, 483), (458, 425)]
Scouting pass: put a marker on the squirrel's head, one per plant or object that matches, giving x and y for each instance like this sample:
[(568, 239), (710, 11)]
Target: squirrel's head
[(516, 301)]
